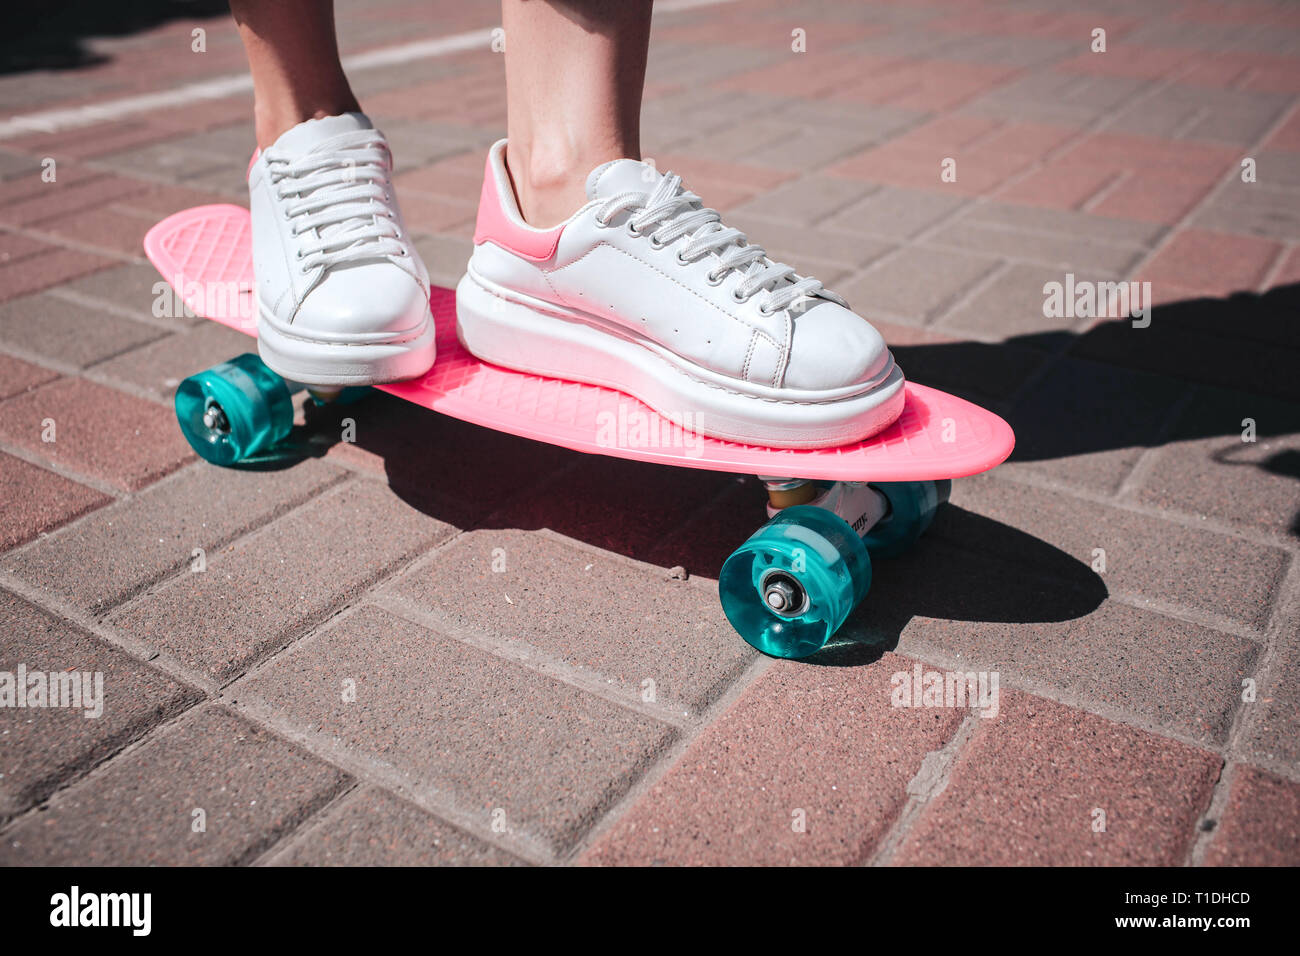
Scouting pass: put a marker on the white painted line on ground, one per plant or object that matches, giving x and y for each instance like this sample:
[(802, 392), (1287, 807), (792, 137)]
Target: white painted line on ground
[(53, 121)]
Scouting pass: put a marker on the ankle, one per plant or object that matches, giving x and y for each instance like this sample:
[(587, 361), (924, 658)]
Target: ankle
[(550, 184), (273, 120)]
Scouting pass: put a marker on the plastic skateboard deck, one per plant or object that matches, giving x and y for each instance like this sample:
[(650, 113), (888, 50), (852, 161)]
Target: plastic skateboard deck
[(205, 254)]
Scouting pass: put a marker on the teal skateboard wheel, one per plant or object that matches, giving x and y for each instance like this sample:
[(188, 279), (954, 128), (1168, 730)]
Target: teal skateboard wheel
[(911, 509), (234, 410), (792, 584)]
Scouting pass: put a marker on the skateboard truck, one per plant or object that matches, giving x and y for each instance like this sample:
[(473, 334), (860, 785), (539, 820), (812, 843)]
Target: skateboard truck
[(791, 586), (240, 408)]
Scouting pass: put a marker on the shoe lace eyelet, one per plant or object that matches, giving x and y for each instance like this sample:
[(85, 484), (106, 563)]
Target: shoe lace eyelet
[(655, 243), (602, 223), (683, 261), (713, 279), (737, 297), (632, 230), (764, 310)]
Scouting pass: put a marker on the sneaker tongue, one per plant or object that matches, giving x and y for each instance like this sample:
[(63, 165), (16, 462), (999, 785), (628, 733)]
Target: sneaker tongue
[(305, 137), (622, 176)]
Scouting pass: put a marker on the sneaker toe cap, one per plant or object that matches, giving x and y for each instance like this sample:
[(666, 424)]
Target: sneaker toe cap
[(834, 348), (374, 301)]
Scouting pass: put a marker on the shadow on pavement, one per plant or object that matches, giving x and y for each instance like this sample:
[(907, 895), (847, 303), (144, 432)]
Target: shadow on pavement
[(53, 35), (1115, 387)]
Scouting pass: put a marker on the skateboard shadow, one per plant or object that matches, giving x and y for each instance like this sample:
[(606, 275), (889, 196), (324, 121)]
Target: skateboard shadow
[(1084, 404)]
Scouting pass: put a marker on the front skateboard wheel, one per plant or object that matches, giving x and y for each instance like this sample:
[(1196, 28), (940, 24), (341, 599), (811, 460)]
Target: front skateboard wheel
[(791, 585), (234, 410), (911, 509)]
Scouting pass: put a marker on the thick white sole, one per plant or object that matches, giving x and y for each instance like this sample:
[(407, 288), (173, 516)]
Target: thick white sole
[(314, 362), (522, 333)]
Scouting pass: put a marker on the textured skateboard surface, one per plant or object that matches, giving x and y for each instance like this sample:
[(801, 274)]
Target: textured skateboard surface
[(205, 253)]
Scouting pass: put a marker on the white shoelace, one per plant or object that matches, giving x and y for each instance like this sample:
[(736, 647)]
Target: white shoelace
[(677, 212), (343, 194)]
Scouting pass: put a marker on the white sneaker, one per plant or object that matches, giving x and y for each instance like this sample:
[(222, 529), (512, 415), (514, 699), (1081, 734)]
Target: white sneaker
[(643, 289), (343, 298)]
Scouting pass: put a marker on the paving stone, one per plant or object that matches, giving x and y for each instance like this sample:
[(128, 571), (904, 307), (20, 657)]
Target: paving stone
[(264, 590), (1152, 198), (252, 787), (622, 506), (1080, 254), (1056, 97), (1063, 765), (1062, 222), (485, 733), (1255, 209), (133, 287), (1271, 733), (1055, 633), (65, 196), (1186, 112), (456, 471), (1206, 455), (638, 624), (165, 161), (811, 148), (1212, 263), (45, 747), (916, 282), (374, 828), (52, 265), (1052, 186), (158, 367), (48, 500), (1086, 424), (118, 552), (118, 438), (110, 228), (70, 332), (17, 376), (805, 201), (1262, 824), (810, 766), (445, 257), (896, 212), (797, 245), (1208, 341), (1011, 306), (1146, 557)]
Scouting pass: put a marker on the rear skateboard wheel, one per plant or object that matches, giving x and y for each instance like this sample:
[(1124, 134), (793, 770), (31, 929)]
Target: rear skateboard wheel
[(911, 509), (791, 585), (234, 410)]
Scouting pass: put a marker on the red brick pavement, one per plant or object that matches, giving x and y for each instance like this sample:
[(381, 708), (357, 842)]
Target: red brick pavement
[(534, 680)]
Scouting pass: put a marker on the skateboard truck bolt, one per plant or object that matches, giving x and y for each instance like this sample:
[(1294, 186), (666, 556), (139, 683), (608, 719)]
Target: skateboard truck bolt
[(214, 417), (783, 594)]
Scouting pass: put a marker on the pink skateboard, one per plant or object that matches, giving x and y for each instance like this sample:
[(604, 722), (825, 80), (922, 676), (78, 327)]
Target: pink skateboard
[(786, 590)]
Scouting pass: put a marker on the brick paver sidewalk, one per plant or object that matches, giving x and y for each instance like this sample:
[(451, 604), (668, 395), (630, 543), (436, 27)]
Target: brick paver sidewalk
[(441, 644)]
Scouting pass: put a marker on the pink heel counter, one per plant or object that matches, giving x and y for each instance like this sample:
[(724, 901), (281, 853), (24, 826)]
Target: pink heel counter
[(494, 226)]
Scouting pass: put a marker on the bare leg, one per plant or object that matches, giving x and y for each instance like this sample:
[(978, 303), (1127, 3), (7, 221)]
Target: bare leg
[(294, 58), (574, 75)]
